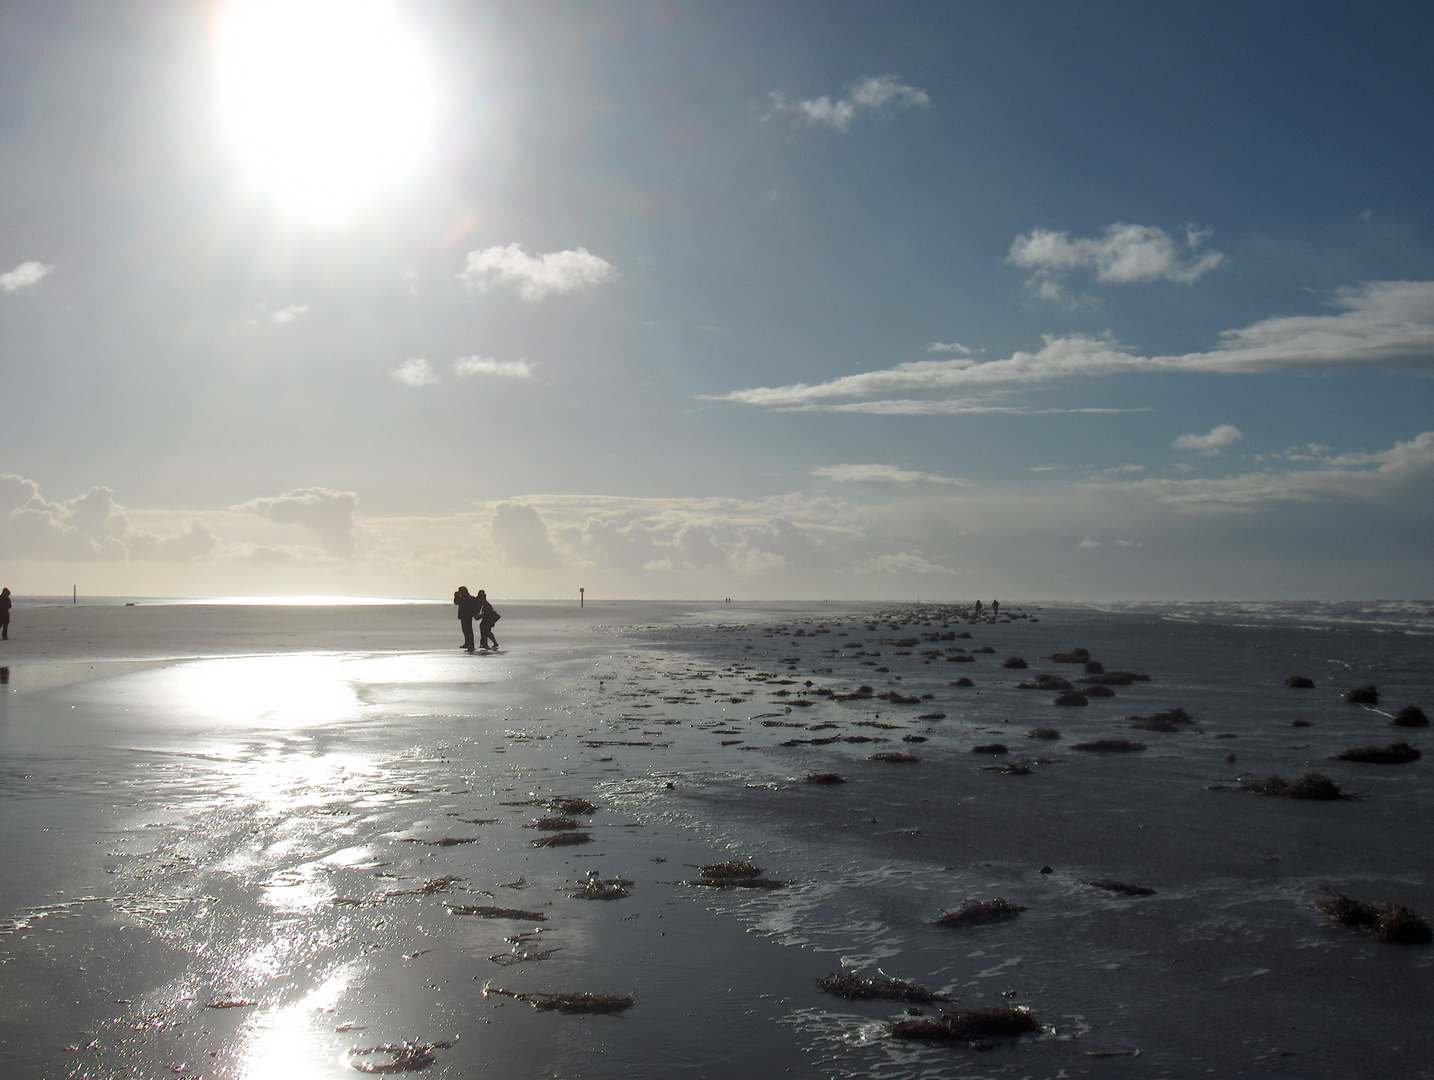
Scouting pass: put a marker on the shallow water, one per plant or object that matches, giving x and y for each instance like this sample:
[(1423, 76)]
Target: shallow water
[(253, 827)]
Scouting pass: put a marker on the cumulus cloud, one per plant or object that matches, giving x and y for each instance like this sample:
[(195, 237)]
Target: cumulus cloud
[(523, 535), (483, 365), (1211, 443), (328, 515), (948, 347), (879, 474), (286, 315), (1388, 324), (89, 527), (24, 275), (1121, 254), (537, 276), (871, 94), (415, 371)]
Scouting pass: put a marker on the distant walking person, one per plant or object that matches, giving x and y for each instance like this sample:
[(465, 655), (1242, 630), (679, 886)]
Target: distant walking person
[(5, 614), (487, 616), (995, 608), (468, 607)]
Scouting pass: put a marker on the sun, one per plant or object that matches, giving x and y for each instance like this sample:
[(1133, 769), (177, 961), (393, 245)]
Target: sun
[(326, 101)]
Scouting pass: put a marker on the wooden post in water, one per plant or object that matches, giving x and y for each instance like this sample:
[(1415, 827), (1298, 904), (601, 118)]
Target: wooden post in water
[(581, 590), (74, 595)]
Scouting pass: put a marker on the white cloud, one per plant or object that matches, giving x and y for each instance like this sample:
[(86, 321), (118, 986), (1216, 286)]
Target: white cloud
[(1088, 543), (483, 365), (415, 371), (948, 347), (879, 474), (1123, 253), (327, 514), (1210, 443), (286, 315), (24, 275), (871, 94), (89, 527), (537, 276), (1387, 324)]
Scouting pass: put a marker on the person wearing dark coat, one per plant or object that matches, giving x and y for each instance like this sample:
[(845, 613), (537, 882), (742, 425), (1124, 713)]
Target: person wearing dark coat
[(468, 608), (487, 616), (5, 614)]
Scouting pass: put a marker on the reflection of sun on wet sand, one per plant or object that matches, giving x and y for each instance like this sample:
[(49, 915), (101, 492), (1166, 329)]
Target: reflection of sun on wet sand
[(321, 839)]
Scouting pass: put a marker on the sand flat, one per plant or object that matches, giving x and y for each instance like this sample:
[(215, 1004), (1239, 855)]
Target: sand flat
[(239, 837)]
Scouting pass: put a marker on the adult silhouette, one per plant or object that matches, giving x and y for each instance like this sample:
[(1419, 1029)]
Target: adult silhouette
[(468, 608), (5, 614)]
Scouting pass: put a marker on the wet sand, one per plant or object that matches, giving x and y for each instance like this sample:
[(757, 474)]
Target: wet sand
[(235, 840)]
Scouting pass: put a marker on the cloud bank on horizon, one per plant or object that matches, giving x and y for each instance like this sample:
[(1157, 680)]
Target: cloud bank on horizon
[(754, 302)]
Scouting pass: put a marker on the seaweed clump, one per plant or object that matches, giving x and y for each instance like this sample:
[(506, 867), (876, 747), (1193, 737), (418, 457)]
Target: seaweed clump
[(1410, 716), (1299, 682), (978, 912), (1396, 753), (569, 1003), (990, 748), (1123, 888), (563, 839), (1387, 922), (1110, 746), (824, 778), (1071, 698), (489, 911), (848, 984), (1173, 720), (969, 1026), (1314, 786), (1363, 695), (568, 806), (895, 755), (1043, 733), (598, 889), (735, 874), (406, 1056)]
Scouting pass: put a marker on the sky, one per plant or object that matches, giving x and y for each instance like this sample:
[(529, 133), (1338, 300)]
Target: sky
[(1059, 300)]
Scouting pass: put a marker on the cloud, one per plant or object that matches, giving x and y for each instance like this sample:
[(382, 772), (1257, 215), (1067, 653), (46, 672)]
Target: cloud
[(537, 276), (89, 527), (286, 315), (414, 371), (879, 474), (193, 541), (871, 94), (1211, 443), (327, 514), (24, 275), (948, 347), (1122, 254), (482, 365), (1388, 324), (523, 536)]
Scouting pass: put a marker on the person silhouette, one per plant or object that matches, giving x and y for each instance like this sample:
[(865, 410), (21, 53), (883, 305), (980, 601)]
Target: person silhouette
[(468, 607), (487, 616), (4, 614)]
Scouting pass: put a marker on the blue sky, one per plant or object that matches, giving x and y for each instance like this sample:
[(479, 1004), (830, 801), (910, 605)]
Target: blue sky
[(669, 300)]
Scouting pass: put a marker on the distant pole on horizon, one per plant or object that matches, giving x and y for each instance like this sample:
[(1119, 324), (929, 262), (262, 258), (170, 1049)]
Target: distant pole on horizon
[(74, 594), (581, 591)]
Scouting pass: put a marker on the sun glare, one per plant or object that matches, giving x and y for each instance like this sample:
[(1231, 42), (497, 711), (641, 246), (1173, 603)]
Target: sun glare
[(327, 101)]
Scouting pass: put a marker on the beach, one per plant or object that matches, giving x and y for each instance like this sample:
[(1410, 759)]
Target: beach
[(309, 840)]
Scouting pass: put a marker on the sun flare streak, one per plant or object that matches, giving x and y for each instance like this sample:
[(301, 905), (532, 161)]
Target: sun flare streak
[(326, 101)]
